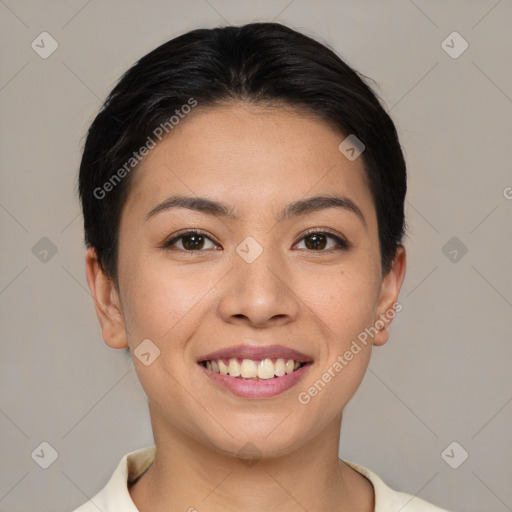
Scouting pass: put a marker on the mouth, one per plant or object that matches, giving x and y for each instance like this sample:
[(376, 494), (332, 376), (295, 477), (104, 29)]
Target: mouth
[(262, 369), (255, 362), (255, 372), (256, 369)]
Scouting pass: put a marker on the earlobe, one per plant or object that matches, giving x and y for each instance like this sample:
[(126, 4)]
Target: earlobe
[(106, 302), (388, 305)]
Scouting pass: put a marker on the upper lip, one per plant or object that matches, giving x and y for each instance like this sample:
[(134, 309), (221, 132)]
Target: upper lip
[(257, 352)]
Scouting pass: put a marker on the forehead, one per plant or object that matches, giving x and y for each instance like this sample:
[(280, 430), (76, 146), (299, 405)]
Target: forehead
[(252, 156)]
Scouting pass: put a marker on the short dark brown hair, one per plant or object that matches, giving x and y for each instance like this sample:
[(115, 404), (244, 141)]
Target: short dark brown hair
[(258, 63)]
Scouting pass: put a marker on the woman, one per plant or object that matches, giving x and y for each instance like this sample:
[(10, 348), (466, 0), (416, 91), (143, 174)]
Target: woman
[(243, 197)]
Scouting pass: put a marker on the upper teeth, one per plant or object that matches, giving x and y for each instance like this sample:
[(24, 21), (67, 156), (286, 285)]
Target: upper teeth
[(264, 369)]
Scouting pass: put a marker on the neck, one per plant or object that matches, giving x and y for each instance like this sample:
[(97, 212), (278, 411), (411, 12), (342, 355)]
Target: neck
[(187, 475)]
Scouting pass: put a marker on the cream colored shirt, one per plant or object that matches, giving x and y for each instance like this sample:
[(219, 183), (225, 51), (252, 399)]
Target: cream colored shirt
[(114, 497)]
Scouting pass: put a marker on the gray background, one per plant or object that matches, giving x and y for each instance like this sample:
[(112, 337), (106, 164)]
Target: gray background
[(445, 374)]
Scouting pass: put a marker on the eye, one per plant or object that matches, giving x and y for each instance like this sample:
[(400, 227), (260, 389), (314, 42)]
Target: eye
[(195, 240), (190, 241), (316, 240)]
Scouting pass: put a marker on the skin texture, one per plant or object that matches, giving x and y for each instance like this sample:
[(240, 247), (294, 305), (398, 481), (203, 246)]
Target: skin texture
[(256, 160)]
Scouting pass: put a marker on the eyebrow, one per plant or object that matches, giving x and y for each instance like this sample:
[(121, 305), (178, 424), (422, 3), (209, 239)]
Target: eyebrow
[(300, 207)]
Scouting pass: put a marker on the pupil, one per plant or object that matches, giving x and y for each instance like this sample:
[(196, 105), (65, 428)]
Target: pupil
[(318, 241), (198, 244)]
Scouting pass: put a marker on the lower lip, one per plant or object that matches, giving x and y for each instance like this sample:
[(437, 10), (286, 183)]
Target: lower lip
[(253, 388)]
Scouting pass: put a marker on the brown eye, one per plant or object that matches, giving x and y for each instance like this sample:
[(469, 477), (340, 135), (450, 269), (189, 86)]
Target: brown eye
[(316, 241), (190, 241), (319, 241), (193, 242)]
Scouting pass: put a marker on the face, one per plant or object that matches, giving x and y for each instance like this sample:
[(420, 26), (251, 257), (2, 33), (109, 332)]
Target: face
[(257, 280)]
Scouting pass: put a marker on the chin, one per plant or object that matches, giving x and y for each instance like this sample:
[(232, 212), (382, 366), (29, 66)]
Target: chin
[(258, 442)]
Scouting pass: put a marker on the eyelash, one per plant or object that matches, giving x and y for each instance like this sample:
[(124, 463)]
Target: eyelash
[(342, 244)]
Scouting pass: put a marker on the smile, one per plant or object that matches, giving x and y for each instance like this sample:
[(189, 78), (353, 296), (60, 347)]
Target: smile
[(263, 369), (251, 371)]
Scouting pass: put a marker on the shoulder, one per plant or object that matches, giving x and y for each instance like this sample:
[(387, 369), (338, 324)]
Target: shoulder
[(115, 495), (389, 500)]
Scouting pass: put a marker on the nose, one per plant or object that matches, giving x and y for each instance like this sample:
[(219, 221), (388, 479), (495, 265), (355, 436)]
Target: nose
[(259, 294)]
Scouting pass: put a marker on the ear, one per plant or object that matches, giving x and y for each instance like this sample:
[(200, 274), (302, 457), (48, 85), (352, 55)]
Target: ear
[(106, 302), (390, 289)]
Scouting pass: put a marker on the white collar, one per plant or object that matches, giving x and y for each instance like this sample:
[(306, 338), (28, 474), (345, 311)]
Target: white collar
[(115, 495)]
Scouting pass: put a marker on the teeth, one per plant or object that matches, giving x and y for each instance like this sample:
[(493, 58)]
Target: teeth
[(249, 369), (266, 369), (280, 368), (222, 367), (234, 368)]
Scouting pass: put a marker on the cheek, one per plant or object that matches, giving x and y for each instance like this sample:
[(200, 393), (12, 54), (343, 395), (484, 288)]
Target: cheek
[(345, 300), (161, 304)]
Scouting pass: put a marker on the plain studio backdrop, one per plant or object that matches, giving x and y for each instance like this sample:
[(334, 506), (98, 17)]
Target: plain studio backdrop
[(434, 413)]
